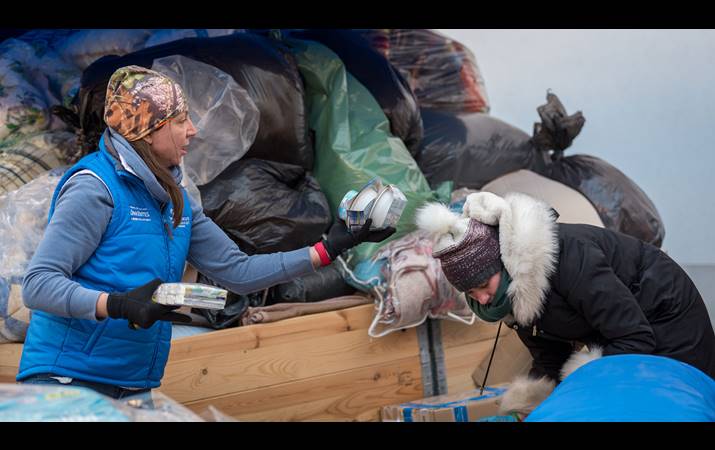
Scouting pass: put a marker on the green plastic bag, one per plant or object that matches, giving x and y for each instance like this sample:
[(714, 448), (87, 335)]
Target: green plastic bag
[(353, 143)]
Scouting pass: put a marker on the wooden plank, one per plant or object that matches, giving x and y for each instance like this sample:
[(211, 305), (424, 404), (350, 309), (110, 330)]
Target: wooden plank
[(10, 354), (455, 334), (262, 335), (460, 362), (244, 369), (355, 395)]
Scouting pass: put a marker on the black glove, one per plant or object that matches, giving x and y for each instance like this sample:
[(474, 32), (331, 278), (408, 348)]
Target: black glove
[(138, 308), (340, 238)]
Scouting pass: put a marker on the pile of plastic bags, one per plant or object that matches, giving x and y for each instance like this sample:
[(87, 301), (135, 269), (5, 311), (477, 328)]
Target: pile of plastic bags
[(288, 122)]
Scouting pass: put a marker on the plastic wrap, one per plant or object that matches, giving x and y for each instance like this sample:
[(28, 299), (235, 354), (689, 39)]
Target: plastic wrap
[(472, 149), (415, 288), (26, 159), (441, 72), (372, 69), (225, 117), (23, 219), (54, 403), (266, 206), (195, 295), (257, 64), (353, 142)]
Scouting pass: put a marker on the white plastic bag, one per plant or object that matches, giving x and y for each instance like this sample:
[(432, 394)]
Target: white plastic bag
[(224, 114)]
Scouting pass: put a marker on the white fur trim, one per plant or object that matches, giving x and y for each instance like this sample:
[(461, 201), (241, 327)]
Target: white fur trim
[(524, 394), (486, 207), (528, 241), (578, 359), (447, 227)]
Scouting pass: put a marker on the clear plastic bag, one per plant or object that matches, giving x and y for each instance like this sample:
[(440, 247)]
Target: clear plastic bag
[(415, 288), (23, 219), (55, 403), (225, 116), (196, 295)]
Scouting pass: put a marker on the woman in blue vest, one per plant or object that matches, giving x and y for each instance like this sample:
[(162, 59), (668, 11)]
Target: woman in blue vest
[(120, 225)]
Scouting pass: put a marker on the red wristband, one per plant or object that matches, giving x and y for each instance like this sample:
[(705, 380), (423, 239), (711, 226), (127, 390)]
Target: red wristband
[(324, 257)]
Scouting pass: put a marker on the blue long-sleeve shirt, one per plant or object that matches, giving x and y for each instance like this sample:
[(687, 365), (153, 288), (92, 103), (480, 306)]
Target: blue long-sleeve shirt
[(83, 211)]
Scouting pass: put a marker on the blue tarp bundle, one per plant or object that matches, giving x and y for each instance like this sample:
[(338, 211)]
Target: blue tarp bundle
[(631, 388)]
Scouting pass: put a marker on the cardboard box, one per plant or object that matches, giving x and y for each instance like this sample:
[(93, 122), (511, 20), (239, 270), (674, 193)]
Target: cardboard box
[(511, 358), (462, 407)]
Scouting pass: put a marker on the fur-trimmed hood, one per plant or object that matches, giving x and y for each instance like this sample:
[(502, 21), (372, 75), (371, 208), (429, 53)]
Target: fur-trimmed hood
[(528, 241)]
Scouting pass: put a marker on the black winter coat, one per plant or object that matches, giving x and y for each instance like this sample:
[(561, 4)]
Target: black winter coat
[(588, 285)]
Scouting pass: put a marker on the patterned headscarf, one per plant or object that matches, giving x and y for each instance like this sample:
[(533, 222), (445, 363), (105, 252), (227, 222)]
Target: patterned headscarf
[(141, 100)]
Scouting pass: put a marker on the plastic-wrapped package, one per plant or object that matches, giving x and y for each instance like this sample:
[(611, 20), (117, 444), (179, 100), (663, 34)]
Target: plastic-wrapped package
[(257, 64), (266, 206), (32, 77), (441, 72), (25, 159), (55, 403), (225, 117), (415, 288), (23, 219), (472, 149), (372, 69), (86, 46), (195, 295), (23, 108)]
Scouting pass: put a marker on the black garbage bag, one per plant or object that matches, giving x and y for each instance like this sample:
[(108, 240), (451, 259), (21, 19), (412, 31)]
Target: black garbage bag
[(373, 70), (472, 149), (266, 206), (327, 282), (620, 203), (236, 305), (260, 65)]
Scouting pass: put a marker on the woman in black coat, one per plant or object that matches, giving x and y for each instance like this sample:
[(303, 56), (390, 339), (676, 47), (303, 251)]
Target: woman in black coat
[(563, 286)]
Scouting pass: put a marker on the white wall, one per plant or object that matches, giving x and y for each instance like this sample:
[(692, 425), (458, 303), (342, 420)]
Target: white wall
[(648, 97)]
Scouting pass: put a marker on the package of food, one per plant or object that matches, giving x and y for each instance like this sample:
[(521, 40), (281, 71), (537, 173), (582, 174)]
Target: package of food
[(195, 295)]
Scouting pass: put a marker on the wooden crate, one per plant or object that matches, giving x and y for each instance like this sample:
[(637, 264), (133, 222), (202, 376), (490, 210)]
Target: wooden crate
[(464, 348), (320, 367)]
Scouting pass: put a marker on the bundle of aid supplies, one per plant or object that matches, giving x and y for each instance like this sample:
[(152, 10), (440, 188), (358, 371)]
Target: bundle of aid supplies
[(383, 203), (195, 295)]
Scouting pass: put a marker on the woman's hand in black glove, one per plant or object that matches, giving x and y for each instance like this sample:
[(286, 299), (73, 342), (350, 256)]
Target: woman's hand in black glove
[(341, 239), (138, 308)]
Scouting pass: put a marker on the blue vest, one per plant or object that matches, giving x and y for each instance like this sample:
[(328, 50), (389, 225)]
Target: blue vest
[(135, 249)]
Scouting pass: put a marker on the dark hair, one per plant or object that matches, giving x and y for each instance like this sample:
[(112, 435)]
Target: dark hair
[(163, 176)]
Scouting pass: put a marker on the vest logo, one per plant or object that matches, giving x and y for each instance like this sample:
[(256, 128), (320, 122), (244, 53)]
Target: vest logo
[(139, 214)]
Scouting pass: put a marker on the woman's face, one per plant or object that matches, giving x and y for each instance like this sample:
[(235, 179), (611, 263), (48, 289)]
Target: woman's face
[(170, 142), (484, 294)]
